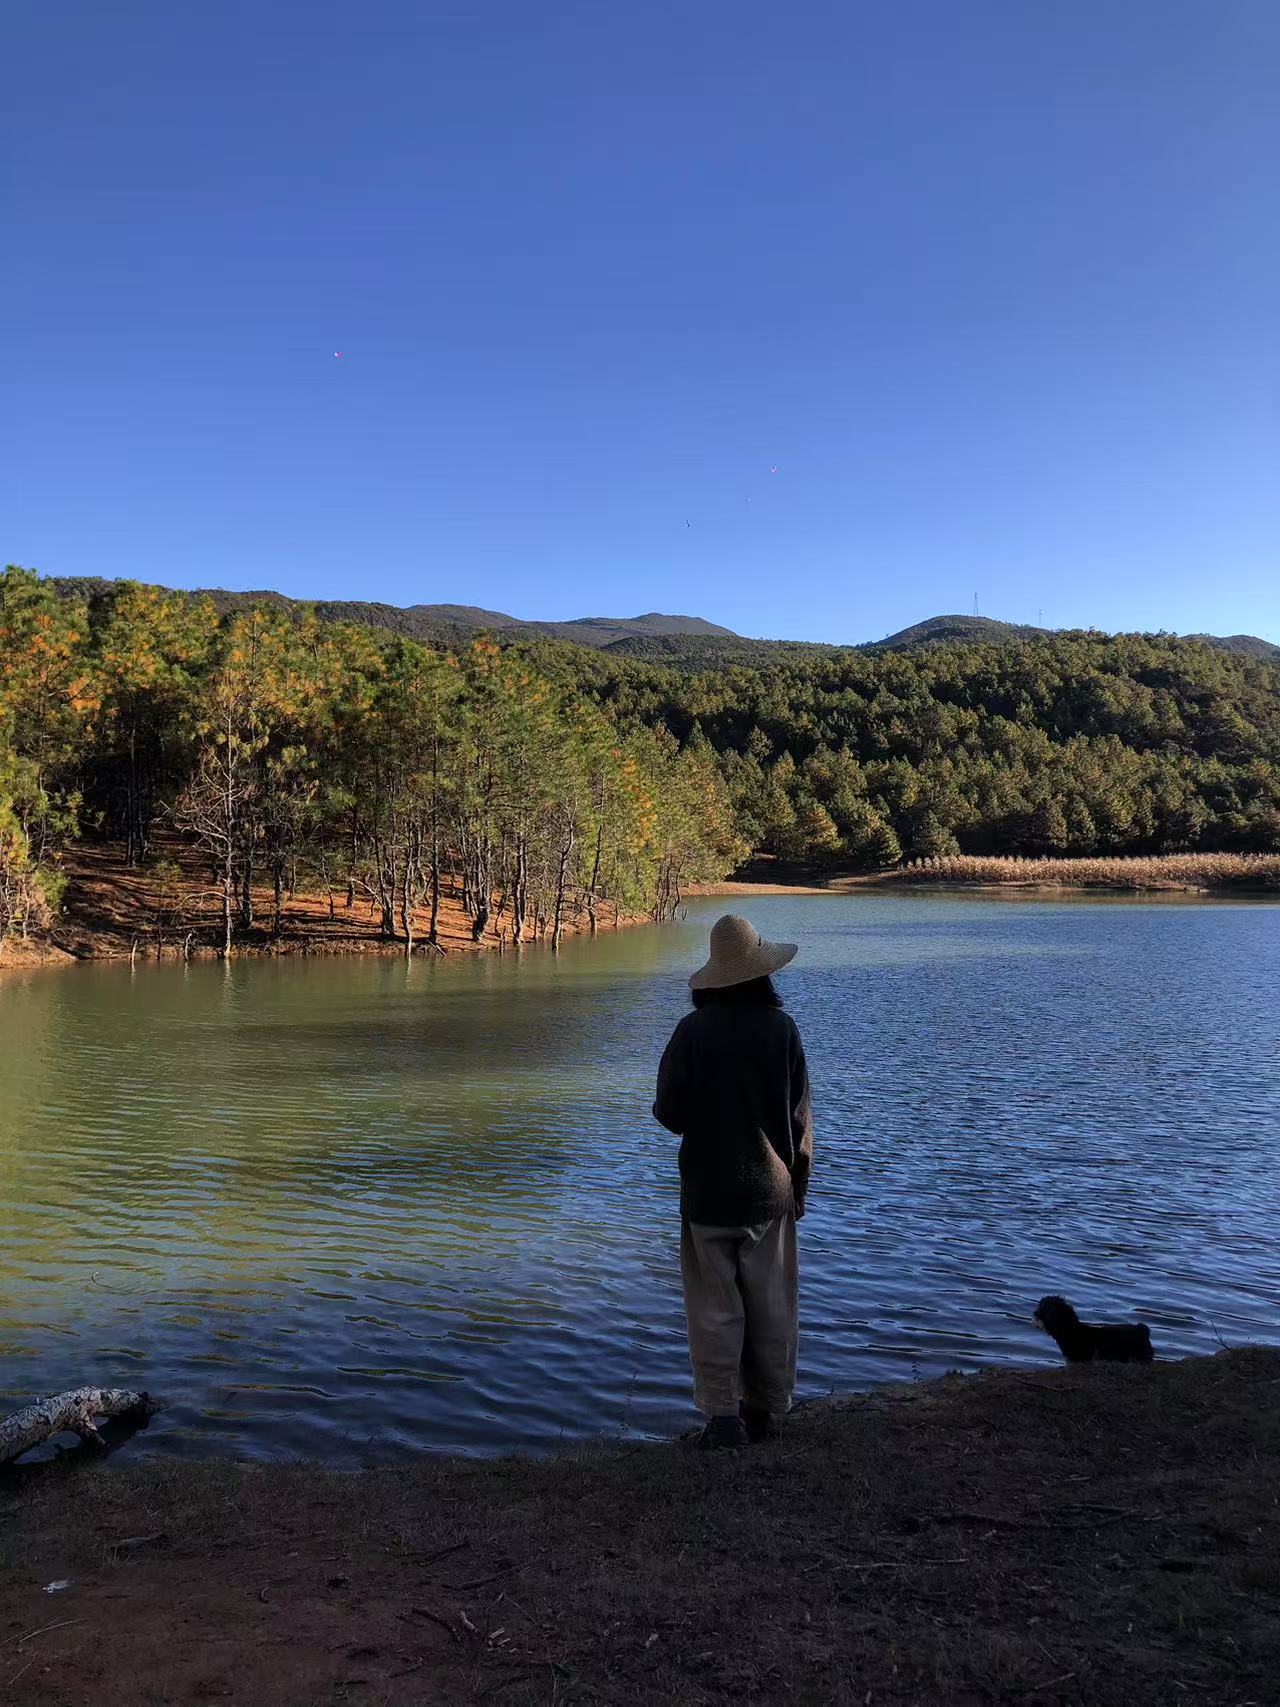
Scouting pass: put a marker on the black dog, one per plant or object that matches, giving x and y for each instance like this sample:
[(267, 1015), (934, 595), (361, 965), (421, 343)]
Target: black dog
[(1082, 1342)]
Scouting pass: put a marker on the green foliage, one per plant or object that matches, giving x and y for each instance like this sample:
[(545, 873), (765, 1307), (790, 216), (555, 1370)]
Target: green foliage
[(46, 701), (150, 651), (28, 894), (543, 781), (1065, 743), (275, 741)]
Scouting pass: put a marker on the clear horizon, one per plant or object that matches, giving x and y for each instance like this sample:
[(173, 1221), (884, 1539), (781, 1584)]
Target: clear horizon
[(812, 324)]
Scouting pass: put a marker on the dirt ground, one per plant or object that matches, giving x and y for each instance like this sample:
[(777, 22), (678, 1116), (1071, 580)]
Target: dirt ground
[(18, 952), (1103, 1535), (113, 910)]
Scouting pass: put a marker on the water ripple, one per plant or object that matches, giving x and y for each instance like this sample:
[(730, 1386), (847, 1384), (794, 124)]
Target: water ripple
[(356, 1209)]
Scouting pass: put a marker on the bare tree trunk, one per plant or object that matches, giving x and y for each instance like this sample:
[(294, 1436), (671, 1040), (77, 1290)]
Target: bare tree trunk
[(69, 1413), (520, 895), (464, 854), (558, 923), (482, 891), (406, 894), (433, 929), (595, 866), (387, 870), (229, 847), (480, 923), (133, 852), (228, 895), (433, 933), (246, 891)]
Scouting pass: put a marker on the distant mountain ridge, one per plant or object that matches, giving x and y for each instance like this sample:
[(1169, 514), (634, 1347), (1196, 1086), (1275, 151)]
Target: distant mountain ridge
[(599, 631), (1251, 645), (938, 630), (689, 642), (437, 623)]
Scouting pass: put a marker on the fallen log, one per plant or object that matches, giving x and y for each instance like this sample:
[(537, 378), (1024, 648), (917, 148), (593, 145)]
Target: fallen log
[(70, 1413)]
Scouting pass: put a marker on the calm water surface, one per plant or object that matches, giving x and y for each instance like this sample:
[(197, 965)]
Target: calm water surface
[(349, 1208)]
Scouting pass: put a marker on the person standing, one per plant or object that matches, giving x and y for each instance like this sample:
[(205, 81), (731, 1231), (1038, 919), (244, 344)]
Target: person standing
[(734, 1088)]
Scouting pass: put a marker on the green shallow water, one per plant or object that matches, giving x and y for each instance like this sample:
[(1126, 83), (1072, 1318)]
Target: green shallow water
[(349, 1208)]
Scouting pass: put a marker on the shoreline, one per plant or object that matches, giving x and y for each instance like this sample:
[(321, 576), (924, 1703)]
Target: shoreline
[(111, 913), (1219, 875), (957, 886), (1056, 1535)]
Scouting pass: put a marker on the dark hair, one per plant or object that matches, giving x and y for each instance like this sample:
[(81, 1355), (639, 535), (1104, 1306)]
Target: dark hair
[(758, 990)]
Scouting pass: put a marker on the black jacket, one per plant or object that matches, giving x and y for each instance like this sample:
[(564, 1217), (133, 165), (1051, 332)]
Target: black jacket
[(733, 1085)]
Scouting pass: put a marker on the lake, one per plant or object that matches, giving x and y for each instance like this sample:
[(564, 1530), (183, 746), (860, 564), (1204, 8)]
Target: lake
[(351, 1208)]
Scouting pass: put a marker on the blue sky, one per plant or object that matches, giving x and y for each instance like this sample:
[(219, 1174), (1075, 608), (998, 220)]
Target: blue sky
[(994, 286)]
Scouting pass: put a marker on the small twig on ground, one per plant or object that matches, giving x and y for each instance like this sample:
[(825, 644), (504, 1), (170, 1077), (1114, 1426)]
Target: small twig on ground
[(131, 1543), (440, 1553), (437, 1618), (1035, 1688), (1041, 1522), (21, 1641), (520, 1609), (478, 1582), (506, 1682), (17, 1674)]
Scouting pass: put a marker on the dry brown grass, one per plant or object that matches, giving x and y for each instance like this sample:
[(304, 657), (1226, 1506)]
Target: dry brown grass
[(1100, 1535), (1157, 871)]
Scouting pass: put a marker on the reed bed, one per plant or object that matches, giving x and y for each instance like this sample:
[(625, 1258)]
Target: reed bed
[(1259, 871)]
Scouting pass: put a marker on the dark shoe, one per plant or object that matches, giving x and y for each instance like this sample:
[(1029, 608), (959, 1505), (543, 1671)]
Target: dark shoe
[(723, 1434), (761, 1425)]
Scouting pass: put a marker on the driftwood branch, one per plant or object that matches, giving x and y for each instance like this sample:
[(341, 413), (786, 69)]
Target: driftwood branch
[(69, 1413)]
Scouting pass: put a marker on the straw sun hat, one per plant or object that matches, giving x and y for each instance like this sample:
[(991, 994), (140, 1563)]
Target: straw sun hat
[(738, 953)]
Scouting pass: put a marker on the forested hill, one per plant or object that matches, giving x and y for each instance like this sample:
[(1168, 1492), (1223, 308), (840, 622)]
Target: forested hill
[(436, 625), (298, 753), (941, 629), (689, 641), (1054, 744), (530, 766)]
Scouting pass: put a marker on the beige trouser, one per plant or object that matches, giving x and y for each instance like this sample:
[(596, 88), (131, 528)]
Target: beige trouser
[(741, 1301)]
